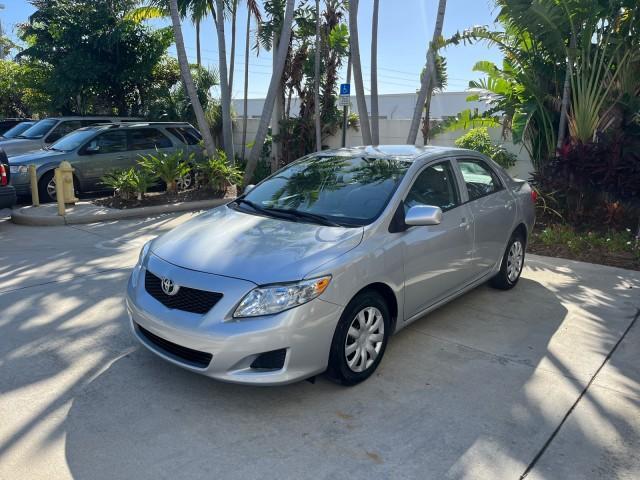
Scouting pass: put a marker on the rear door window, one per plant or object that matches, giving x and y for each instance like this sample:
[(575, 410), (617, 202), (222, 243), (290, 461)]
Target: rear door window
[(479, 178), (148, 139)]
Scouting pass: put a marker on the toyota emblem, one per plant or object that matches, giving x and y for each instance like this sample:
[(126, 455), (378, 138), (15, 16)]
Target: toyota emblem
[(169, 287)]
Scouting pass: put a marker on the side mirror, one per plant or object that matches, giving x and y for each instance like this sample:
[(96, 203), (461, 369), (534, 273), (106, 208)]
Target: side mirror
[(248, 188), (421, 215)]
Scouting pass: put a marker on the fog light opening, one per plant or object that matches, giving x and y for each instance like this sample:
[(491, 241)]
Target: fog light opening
[(273, 360)]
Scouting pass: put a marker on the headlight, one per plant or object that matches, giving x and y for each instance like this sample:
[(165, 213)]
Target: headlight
[(18, 169), (277, 298), (143, 252)]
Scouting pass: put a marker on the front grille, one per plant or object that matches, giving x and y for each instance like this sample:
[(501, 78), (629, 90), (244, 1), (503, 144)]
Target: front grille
[(187, 299), (189, 356)]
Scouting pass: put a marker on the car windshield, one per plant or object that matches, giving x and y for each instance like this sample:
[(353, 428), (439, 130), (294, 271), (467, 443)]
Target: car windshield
[(348, 191), (73, 140), (40, 129), (17, 130)]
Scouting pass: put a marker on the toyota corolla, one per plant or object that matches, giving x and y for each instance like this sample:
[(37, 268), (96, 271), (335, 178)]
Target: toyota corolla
[(313, 269)]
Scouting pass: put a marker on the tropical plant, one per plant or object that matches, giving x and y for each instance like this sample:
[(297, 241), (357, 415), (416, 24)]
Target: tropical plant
[(439, 85), (253, 10), (122, 183), (187, 78), (280, 58), (478, 139), (168, 167), (219, 173), (316, 82), (357, 72), (429, 79)]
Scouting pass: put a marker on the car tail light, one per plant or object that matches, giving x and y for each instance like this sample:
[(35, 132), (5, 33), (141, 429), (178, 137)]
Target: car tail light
[(3, 175), (534, 196)]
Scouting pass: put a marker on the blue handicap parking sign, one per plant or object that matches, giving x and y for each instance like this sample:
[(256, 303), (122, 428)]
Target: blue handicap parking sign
[(345, 89)]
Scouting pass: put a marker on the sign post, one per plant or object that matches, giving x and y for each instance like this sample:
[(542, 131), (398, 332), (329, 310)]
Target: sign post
[(345, 100)]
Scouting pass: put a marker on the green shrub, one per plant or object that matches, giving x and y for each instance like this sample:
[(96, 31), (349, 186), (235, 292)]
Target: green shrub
[(219, 174), (121, 181), (126, 183), (168, 167), (478, 139)]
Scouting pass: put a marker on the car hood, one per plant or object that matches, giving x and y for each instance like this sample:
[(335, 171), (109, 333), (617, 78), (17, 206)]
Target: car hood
[(16, 146), (37, 156), (262, 250)]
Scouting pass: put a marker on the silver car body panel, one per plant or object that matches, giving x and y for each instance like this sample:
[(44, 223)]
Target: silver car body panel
[(418, 269)]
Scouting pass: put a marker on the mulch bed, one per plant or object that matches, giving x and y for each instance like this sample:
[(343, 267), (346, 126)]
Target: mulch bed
[(595, 255), (163, 198)]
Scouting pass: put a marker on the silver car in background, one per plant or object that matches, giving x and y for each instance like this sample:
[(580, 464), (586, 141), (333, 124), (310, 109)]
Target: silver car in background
[(314, 268)]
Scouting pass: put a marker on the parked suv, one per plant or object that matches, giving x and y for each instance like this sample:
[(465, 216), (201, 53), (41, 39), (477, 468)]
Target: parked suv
[(49, 130), (7, 123), (7, 192), (93, 151)]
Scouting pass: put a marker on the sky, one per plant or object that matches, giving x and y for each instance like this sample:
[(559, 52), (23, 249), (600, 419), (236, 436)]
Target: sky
[(404, 29)]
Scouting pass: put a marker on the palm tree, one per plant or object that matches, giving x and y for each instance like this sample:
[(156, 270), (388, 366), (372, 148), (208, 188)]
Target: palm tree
[(232, 59), (375, 124), (276, 77), (316, 87), (357, 73), (188, 80), (429, 78), (225, 94), (252, 10), (437, 86)]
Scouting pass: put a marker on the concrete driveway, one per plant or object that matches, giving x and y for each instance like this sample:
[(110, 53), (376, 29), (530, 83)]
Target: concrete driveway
[(543, 379)]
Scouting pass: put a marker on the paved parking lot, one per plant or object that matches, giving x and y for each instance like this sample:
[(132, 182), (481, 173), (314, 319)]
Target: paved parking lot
[(541, 379)]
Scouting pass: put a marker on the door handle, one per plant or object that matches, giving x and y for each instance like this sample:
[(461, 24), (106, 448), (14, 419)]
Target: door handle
[(464, 223), (121, 157)]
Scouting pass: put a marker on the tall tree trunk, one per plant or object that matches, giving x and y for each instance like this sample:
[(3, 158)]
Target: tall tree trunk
[(276, 144), (566, 93), (225, 94), (198, 56), (187, 79), (316, 86), (276, 81), (246, 84), (375, 124), (363, 114), (232, 59), (426, 124), (428, 80)]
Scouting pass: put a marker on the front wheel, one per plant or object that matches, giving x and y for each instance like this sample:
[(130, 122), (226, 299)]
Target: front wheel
[(512, 264), (47, 187), (360, 339)]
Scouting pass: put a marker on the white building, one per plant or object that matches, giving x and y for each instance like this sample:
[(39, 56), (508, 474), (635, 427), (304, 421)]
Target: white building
[(394, 106)]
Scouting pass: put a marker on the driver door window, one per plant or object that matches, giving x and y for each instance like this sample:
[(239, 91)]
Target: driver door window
[(62, 129), (105, 153), (435, 186)]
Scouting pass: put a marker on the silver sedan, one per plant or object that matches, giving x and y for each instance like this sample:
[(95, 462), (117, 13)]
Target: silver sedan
[(313, 269)]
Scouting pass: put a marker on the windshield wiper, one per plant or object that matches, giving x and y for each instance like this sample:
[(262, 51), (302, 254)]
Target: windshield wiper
[(309, 216), (265, 211)]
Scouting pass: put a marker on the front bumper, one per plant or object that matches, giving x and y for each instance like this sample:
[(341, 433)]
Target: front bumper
[(305, 332)]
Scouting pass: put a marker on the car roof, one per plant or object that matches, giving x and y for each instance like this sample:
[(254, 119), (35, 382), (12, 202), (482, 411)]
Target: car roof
[(93, 117), (404, 152)]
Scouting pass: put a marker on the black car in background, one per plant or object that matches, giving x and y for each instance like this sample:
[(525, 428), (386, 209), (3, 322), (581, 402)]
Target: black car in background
[(7, 123), (7, 192)]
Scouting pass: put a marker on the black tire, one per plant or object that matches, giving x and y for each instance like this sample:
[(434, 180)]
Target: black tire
[(45, 197), (339, 370), (505, 278)]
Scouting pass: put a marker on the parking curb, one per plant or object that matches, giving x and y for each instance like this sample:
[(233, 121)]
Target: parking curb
[(20, 217)]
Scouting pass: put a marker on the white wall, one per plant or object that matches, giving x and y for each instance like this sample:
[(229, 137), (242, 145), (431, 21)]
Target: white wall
[(392, 106), (394, 132)]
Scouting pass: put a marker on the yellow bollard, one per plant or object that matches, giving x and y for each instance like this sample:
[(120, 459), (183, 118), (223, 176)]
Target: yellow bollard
[(59, 191), (66, 185), (35, 195)]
